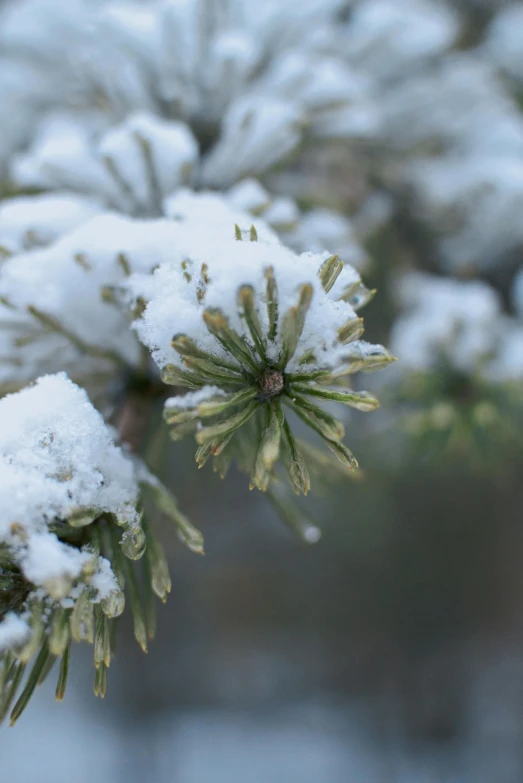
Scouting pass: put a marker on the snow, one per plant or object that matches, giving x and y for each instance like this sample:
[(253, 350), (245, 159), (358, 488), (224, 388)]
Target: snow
[(173, 150), (207, 215), (103, 580), (61, 157), (66, 280), (257, 132), (460, 102), (503, 42), (29, 221), (13, 631), (485, 192), (265, 76), (325, 229), (315, 230), (444, 317), (78, 83), (174, 305), (71, 292), (283, 214), (389, 37), (58, 460), (192, 399), (460, 134), (45, 559), (113, 165), (250, 196)]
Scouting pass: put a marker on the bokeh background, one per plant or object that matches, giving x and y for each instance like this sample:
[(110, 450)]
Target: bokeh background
[(392, 650)]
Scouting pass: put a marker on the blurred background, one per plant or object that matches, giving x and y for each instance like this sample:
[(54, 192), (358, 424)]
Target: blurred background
[(392, 650)]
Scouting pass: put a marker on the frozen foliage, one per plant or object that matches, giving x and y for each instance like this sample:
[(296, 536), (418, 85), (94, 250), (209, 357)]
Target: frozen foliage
[(267, 78), (444, 319), (131, 167), (32, 221), (54, 314), (135, 167), (450, 105), (176, 303), (389, 38), (459, 324), (451, 133), (59, 309), (71, 507), (142, 111), (476, 201), (503, 42), (58, 461), (467, 136), (157, 114), (252, 328), (458, 381)]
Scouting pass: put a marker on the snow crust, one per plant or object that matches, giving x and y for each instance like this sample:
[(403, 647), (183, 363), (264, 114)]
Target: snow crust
[(58, 461), (175, 305)]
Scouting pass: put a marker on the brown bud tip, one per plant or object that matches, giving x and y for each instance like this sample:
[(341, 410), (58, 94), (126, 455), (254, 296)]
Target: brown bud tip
[(271, 383)]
